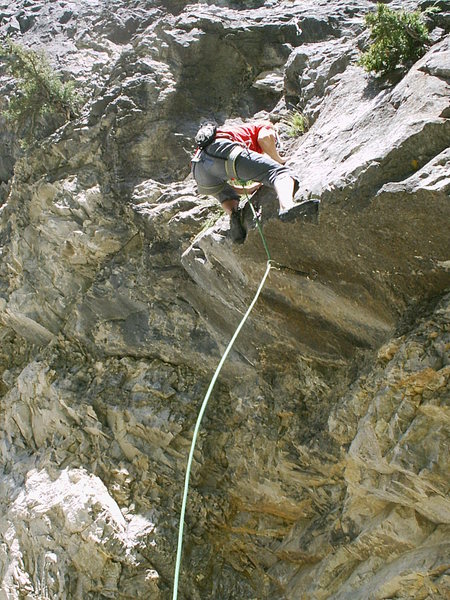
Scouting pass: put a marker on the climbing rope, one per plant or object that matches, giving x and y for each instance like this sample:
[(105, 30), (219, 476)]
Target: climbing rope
[(205, 403), (258, 225)]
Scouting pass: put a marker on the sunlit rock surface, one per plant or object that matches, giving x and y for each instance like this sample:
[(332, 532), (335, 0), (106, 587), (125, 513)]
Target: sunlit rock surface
[(322, 466)]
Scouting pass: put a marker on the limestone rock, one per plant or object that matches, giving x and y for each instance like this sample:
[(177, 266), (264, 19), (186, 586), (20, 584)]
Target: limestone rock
[(313, 69), (321, 470)]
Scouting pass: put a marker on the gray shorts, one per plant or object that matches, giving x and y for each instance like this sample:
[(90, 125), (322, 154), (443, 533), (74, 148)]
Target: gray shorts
[(211, 176)]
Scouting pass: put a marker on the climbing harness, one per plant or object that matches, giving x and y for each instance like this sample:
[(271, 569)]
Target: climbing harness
[(230, 164), (208, 190), (205, 402), (230, 169)]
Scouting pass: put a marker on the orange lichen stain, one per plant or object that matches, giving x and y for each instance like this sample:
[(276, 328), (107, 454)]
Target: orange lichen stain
[(287, 511), (388, 351), (426, 379)]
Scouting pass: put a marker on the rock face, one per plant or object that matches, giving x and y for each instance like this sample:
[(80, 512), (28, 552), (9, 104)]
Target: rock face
[(322, 467)]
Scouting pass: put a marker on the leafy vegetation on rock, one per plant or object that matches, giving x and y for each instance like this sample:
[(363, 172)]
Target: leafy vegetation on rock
[(398, 38), (297, 124), (41, 100)]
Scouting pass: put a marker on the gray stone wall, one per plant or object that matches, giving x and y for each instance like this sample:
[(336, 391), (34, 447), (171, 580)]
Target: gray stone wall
[(322, 465)]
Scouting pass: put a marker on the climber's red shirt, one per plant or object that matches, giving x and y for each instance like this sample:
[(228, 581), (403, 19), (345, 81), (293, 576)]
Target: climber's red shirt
[(247, 135)]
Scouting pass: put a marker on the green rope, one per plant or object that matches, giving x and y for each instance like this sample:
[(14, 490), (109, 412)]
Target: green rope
[(266, 248), (203, 408)]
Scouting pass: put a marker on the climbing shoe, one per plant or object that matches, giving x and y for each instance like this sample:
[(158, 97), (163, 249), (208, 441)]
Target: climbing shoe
[(237, 230), (307, 211)]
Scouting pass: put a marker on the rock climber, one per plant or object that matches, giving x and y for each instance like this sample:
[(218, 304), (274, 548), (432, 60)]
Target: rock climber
[(246, 152)]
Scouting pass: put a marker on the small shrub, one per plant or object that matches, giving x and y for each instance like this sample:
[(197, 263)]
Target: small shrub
[(398, 38), (39, 90), (297, 124)]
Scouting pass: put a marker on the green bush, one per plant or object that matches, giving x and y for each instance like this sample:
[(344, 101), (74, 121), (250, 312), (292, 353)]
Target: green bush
[(297, 124), (40, 95), (398, 38)]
